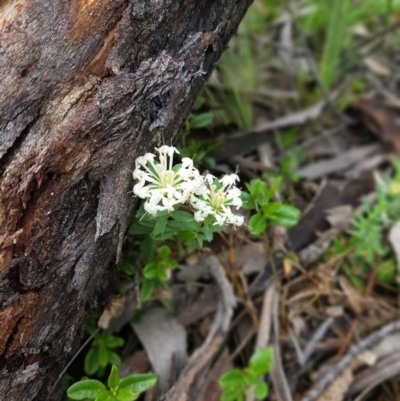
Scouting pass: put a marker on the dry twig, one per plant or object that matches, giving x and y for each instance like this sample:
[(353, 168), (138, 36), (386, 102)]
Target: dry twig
[(356, 349)]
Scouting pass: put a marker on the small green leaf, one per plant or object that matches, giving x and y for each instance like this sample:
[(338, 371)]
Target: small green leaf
[(257, 224), (162, 273), (147, 249), (85, 389), (105, 395), (261, 390), (182, 216), (273, 188), (187, 235), (113, 379), (387, 271), (232, 380), (126, 267), (258, 190), (247, 200), (141, 227), (91, 364), (114, 358), (114, 341), (201, 120), (286, 216), (138, 383), (208, 235), (183, 225), (261, 362), (199, 240), (231, 395), (164, 252), (168, 264), (159, 228), (270, 209), (150, 271), (147, 289), (102, 354), (125, 395), (167, 234)]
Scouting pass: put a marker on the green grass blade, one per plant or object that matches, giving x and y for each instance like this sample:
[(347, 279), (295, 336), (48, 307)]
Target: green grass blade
[(336, 33)]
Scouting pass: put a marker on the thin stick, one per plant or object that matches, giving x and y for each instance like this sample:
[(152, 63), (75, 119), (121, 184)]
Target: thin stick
[(356, 349), (73, 358)]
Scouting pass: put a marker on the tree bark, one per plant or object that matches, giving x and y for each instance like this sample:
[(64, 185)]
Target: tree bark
[(86, 85)]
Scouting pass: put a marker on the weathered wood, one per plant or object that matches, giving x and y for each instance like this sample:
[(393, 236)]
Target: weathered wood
[(85, 86)]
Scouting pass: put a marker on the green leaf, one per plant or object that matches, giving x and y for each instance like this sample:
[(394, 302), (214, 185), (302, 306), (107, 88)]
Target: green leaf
[(286, 216), (216, 228), (114, 341), (183, 225), (164, 252), (150, 271), (270, 209), (85, 389), (91, 364), (147, 249), (261, 362), (273, 188), (105, 395), (113, 379), (159, 228), (182, 216), (387, 271), (199, 240), (126, 267), (167, 234), (168, 264), (257, 224), (142, 227), (230, 395), (125, 395), (114, 358), (187, 235), (232, 380), (208, 235), (335, 37), (138, 383), (247, 200), (201, 120), (261, 390), (147, 289), (258, 190), (162, 273), (102, 354)]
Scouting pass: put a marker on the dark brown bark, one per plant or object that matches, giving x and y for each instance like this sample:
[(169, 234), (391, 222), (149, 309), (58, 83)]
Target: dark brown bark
[(86, 85)]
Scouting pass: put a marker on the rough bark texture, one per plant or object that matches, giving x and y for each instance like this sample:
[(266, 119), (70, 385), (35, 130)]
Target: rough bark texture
[(86, 85)]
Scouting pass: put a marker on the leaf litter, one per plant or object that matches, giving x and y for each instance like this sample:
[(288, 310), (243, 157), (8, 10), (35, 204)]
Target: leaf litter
[(330, 317)]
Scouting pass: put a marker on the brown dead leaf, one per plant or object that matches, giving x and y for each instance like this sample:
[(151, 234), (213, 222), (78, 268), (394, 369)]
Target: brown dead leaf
[(135, 363), (382, 119), (201, 306), (251, 257), (340, 163), (209, 388), (164, 340)]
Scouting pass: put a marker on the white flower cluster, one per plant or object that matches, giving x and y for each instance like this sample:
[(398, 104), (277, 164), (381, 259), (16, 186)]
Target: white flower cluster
[(164, 186)]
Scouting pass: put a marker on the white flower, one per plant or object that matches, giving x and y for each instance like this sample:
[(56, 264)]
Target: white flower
[(216, 199), (162, 186)]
